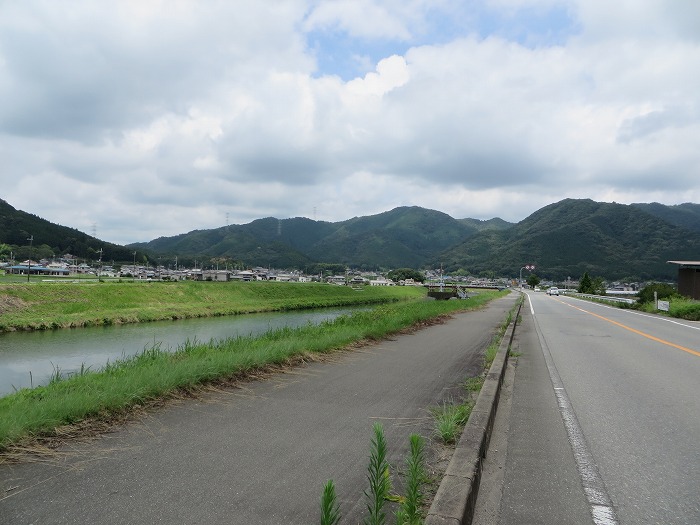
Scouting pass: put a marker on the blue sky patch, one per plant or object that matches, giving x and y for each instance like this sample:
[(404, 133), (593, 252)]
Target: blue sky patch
[(340, 53)]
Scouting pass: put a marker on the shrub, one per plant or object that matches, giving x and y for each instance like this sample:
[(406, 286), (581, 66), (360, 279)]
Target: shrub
[(663, 290)]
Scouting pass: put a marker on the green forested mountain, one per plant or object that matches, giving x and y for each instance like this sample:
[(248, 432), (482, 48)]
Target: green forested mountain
[(405, 236), (571, 237), (49, 239), (563, 239), (686, 215)]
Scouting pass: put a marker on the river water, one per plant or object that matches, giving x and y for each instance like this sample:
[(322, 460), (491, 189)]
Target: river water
[(29, 359)]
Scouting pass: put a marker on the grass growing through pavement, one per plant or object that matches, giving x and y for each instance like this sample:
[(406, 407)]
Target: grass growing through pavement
[(378, 478), (451, 418), (330, 509), (379, 489), (492, 349), (156, 374), (410, 511)]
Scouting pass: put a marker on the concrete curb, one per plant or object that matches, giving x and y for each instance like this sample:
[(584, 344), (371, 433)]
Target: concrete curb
[(455, 499)]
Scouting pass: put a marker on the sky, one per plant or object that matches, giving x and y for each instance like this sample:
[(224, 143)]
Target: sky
[(138, 119)]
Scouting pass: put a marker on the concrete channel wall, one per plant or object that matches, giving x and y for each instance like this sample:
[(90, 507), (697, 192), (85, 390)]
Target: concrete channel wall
[(455, 499)]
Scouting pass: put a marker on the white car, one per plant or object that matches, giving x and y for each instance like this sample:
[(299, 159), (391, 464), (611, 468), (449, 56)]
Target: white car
[(553, 291)]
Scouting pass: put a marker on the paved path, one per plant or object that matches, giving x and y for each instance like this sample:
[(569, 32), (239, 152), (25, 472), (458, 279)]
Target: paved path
[(259, 454)]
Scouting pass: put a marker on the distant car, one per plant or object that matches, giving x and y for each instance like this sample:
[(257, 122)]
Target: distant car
[(553, 290), (537, 288)]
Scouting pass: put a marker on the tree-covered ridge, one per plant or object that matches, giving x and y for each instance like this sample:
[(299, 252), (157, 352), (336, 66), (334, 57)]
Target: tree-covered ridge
[(571, 237), (564, 239), (51, 240), (686, 215), (404, 236)]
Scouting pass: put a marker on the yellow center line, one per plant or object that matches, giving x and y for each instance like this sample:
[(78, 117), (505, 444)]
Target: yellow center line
[(643, 334)]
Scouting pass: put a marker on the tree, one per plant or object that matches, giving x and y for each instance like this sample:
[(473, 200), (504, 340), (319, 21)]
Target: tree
[(585, 285), (663, 290), (598, 285), (401, 274), (533, 280), (327, 269), (593, 286)]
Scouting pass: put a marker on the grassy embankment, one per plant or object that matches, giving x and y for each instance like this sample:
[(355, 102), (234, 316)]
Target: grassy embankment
[(40, 306), (679, 307), (155, 375)]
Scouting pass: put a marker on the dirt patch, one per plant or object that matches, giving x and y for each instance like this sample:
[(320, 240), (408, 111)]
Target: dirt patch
[(9, 303)]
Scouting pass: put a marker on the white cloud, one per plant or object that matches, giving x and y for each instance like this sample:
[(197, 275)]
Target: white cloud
[(157, 118)]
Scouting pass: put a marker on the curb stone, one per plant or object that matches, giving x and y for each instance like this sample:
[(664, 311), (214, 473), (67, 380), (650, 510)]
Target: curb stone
[(455, 499)]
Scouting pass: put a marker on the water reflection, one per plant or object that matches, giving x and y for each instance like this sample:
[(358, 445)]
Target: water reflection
[(30, 358)]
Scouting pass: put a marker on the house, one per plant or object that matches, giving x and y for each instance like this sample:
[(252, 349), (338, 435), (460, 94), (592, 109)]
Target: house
[(382, 281), (688, 278), (34, 268), (211, 275), (336, 279)]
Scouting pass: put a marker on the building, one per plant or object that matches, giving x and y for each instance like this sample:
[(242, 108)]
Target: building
[(211, 275), (382, 281), (688, 278), (35, 268)]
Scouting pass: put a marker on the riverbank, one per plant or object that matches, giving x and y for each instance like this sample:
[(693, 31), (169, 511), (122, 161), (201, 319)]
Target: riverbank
[(91, 400), (42, 306)]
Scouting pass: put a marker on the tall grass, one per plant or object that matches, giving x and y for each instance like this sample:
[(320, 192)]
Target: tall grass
[(156, 373), (679, 307), (379, 490), (450, 419), (330, 509), (378, 478), (410, 511)]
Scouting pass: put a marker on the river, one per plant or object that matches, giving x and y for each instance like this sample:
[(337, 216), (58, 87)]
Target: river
[(29, 359)]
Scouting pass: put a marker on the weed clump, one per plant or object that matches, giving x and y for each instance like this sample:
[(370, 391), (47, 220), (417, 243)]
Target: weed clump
[(379, 490)]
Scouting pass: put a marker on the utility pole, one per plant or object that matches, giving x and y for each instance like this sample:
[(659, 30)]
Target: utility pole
[(29, 260), (99, 264)]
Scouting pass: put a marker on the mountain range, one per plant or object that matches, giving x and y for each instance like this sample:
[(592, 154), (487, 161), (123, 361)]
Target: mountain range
[(562, 240)]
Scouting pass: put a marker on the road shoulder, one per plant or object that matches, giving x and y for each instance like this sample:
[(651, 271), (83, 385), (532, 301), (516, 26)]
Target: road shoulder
[(530, 475)]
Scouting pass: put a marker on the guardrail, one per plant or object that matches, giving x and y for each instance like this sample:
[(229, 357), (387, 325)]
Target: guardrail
[(604, 298)]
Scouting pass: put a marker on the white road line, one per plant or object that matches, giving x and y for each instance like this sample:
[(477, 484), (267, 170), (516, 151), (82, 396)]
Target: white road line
[(602, 510), (529, 300)]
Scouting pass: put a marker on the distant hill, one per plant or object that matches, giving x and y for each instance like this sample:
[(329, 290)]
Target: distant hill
[(402, 237), (571, 237), (563, 239), (16, 227)]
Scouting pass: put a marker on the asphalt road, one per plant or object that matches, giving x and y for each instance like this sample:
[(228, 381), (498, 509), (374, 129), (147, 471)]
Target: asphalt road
[(259, 454), (600, 420)]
